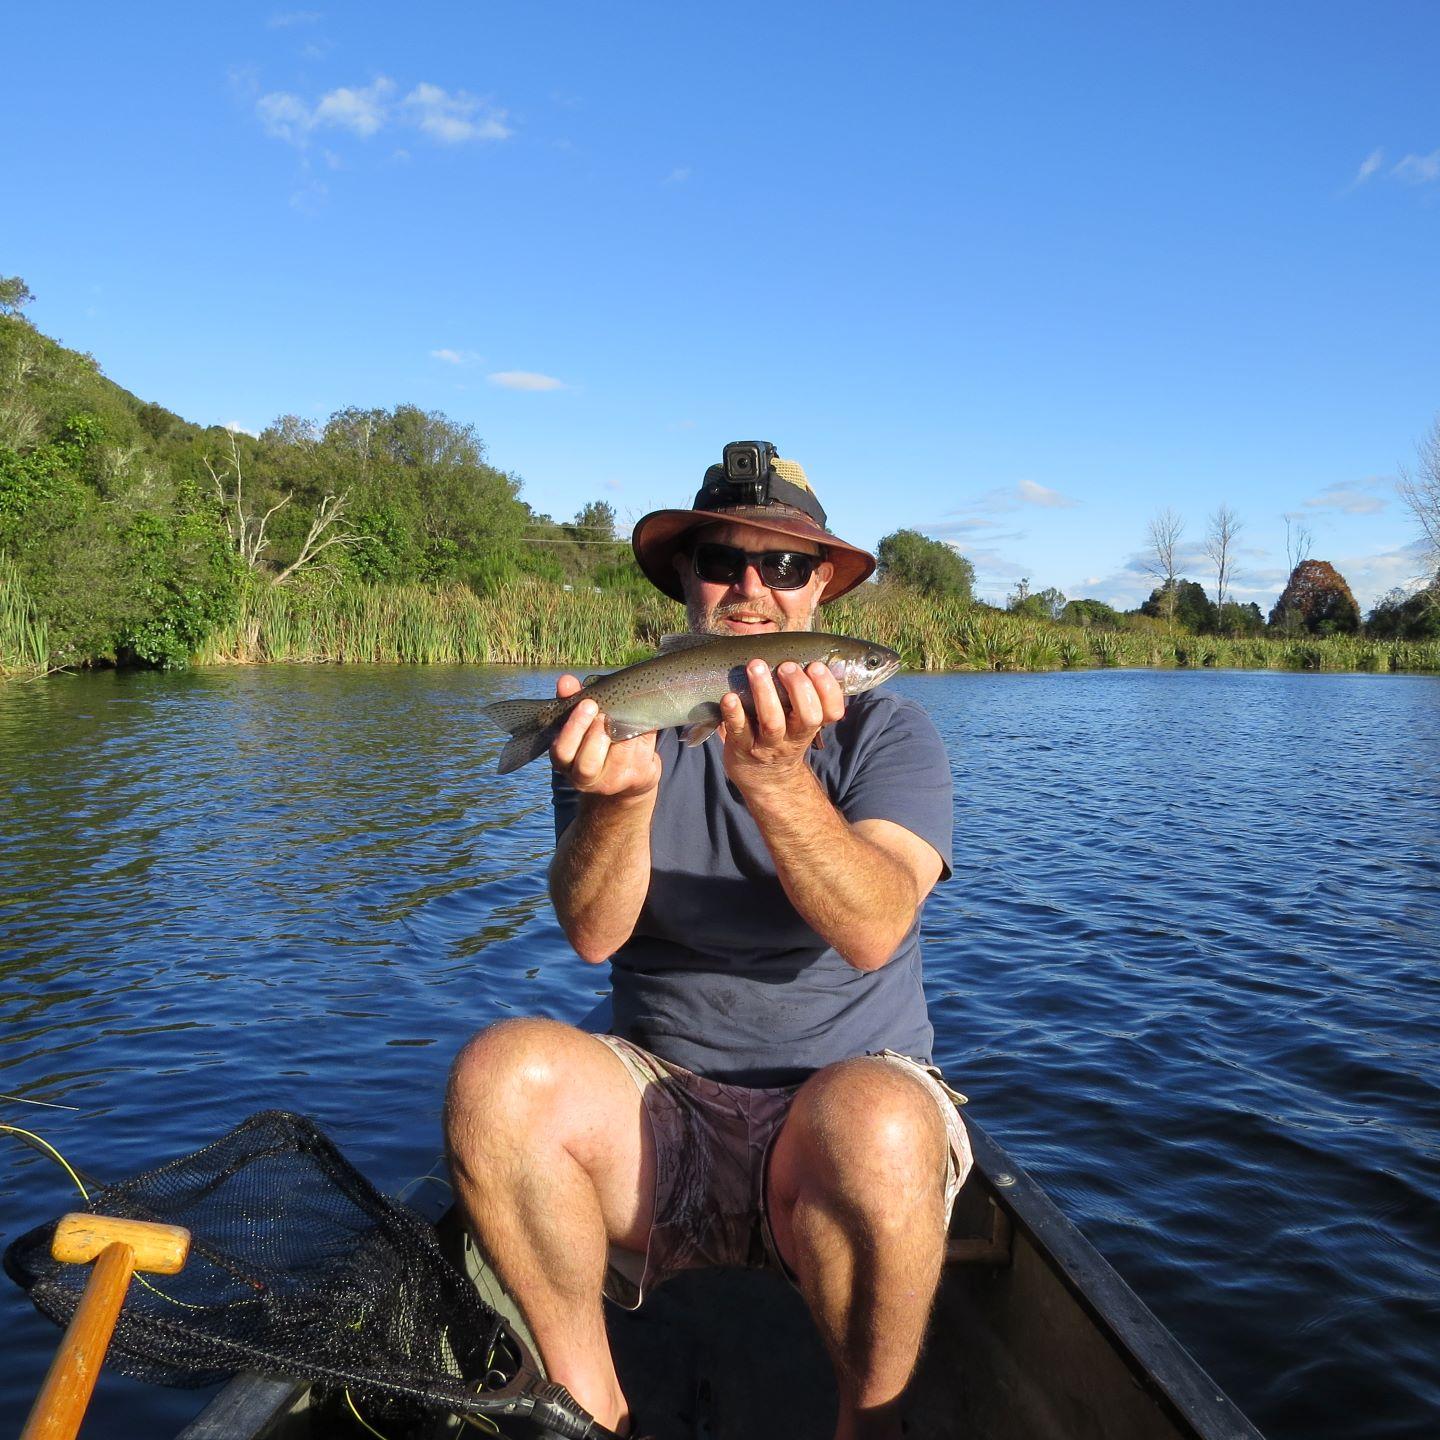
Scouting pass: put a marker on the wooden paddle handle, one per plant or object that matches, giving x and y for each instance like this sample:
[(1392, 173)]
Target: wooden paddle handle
[(123, 1246)]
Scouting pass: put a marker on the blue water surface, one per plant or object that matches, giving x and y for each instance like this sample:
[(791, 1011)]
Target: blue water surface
[(1185, 969)]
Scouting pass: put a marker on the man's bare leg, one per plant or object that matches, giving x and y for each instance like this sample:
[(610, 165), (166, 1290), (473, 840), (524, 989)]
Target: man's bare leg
[(552, 1159), (856, 1193)]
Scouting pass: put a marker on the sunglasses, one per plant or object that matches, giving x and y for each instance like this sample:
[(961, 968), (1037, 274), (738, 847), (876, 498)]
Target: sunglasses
[(779, 569)]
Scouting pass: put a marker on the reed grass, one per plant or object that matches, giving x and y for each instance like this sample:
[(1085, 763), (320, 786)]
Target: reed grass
[(539, 624), (24, 643)]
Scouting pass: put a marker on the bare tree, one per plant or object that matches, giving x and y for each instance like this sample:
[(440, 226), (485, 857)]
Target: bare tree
[(1420, 490), (247, 533), (1298, 543), (1225, 525), (330, 513), (1162, 558)]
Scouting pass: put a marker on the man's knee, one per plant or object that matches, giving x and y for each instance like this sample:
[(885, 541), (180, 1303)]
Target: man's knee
[(509, 1073), (865, 1129)]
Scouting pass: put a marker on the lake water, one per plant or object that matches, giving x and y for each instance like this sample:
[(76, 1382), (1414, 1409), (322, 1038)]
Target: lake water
[(1186, 971)]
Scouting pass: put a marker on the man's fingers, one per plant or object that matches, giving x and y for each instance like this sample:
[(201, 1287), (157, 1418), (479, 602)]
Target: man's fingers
[(806, 712), (769, 711), (734, 721), (566, 686), (577, 723), (827, 687), (590, 757)]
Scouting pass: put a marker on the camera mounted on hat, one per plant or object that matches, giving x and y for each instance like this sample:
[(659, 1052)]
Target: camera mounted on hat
[(749, 476)]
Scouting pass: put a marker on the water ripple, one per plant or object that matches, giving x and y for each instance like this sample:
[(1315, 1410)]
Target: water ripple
[(1185, 969)]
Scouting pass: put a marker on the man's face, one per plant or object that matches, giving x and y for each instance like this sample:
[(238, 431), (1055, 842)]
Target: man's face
[(748, 606)]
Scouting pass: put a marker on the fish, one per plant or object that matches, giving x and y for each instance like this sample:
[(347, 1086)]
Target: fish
[(682, 686)]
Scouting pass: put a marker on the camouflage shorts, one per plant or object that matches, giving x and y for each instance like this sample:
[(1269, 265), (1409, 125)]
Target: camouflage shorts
[(712, 1142)]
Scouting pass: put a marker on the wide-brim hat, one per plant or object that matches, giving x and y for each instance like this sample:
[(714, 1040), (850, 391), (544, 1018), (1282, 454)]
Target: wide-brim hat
[(793, 509)]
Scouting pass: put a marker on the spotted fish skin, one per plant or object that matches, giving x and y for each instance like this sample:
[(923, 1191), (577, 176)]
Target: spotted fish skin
[(683, 685)]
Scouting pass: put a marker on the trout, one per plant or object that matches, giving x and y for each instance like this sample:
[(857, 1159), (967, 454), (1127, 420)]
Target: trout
[(683, 686)]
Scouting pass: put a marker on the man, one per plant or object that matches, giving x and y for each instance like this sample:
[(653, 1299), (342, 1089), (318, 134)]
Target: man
[(758, 899)]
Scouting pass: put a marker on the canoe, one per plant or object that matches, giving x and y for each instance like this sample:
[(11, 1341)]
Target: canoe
[(1034, 1337)]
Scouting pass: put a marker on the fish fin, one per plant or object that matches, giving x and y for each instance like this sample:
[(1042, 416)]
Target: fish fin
[(818, 743), (624, 729), (514, 716), (673, 644), (530, 735), (589, 680), (521, 749), (701, 723)]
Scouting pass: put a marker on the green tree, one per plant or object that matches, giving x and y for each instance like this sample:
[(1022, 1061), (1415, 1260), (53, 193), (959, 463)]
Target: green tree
[(917, 562), (1091, 613), (594, 523), (1401, 615), (14, 295), (1046, 604), (1316, 600), (1183, 602), (1237, 619)]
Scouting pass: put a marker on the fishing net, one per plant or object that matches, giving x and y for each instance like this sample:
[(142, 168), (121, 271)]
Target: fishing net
[(298, 1266)]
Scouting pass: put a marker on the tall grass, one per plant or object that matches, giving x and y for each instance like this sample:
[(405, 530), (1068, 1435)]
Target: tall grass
[(534, 623), (526, 623), (24, 644)]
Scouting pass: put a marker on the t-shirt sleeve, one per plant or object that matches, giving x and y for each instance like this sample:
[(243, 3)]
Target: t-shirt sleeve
[(903, 775), (564, 801)]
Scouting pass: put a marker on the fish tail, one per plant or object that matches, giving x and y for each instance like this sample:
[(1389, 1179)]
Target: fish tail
[(530, 735), (513, 716)]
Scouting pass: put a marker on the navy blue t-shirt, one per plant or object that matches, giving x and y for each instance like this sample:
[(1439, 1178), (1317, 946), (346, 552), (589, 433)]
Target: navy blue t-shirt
[(721, 974)]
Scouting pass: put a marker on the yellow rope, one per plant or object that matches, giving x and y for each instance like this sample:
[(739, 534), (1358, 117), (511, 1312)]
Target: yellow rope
[(361, 1418), (49, 1150)]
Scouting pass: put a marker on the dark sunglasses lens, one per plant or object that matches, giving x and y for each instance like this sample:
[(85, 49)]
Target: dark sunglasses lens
[(786, 570), (719, 564), (779, 569)]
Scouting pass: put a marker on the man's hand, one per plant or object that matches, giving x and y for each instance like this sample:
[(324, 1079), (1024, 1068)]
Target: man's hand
[(771, 746), (596, 764)]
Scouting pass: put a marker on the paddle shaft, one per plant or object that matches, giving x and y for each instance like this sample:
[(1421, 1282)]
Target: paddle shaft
[(60, 1406), (119, 1248)]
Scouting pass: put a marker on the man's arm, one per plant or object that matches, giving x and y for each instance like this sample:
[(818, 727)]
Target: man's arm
[(858, 886), (601, 871)]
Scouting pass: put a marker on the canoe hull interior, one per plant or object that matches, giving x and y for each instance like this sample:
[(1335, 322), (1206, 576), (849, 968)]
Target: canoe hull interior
[(1038, 1339)]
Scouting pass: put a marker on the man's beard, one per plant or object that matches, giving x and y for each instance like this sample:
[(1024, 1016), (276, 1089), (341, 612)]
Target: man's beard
[(712, 622)]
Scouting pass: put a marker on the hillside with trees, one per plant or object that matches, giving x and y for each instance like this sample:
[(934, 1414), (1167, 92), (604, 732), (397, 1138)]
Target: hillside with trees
[(134, 534)]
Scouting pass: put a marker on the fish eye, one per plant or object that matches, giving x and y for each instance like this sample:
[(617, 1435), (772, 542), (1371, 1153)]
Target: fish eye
[(873, 661)]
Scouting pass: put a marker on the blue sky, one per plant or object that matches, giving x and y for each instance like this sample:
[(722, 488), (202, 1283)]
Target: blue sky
[(1016, 276)]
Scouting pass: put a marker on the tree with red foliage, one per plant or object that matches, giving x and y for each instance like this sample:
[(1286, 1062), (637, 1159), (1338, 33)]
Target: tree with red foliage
[(1317, 600)]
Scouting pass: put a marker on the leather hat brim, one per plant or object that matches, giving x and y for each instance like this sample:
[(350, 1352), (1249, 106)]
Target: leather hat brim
[(661, 534)]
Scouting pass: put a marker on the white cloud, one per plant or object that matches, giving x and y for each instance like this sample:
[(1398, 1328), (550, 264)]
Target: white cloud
[(524, 380), (1419, 169), (365, 110), (455, 118), (236, 428), (1368, 166), (284, 116), (1033, 494), (1371, 576), (361, 111), (1011, 497), (455, 357), (678, 175), (1350, 497)]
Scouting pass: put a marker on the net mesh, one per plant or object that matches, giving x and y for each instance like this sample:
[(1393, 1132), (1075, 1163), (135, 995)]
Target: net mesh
[(299, 1266)]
